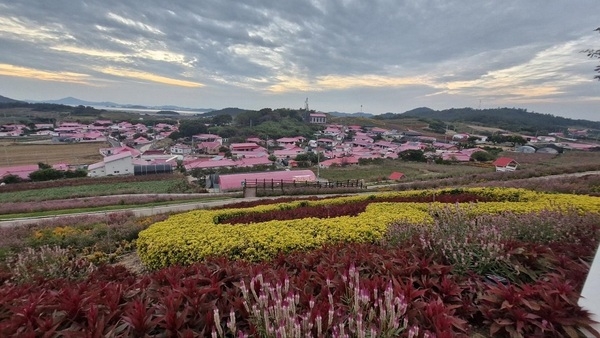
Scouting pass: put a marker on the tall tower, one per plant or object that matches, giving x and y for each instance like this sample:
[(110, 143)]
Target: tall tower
[(306, 104)]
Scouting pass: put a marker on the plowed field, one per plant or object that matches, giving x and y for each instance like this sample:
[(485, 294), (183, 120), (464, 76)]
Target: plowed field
[(13, 154)]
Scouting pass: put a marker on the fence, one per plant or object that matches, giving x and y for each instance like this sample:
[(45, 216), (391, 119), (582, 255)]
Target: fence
[(273, 184)]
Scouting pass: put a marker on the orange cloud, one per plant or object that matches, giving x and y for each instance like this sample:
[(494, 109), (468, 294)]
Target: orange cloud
[(31, 73), (148, 77)]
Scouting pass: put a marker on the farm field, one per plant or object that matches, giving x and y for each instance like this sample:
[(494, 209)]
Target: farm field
[(411, 170), (535, 164), (14, 154)]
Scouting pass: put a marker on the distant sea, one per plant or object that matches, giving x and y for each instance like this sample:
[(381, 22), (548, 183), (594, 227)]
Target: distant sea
[(147, 110)]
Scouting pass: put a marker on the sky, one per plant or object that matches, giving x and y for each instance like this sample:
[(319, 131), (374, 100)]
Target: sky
[(374, 56)]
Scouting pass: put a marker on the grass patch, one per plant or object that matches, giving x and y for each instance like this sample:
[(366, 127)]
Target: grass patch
[(147, 187), (411, 170), (104, 208)]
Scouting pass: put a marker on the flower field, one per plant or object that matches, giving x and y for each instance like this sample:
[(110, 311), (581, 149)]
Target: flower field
[(191, 237), (475, 262)]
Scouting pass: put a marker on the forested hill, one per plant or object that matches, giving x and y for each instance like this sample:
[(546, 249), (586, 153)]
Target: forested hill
[(505, 118), (225, 111)]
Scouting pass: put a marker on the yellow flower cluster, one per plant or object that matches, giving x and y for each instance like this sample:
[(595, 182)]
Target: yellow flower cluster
[(58, 232), (190, 237)]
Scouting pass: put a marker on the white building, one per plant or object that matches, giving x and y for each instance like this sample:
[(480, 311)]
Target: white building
[(119, 164), (317, 118), (180, 149)]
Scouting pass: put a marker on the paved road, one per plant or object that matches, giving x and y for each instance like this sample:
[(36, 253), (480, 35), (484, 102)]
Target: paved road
[(143, 211)]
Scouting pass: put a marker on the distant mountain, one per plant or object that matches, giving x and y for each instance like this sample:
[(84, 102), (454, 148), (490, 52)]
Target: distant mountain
[(513, 119), (72, 101), (4, 99), (420, 110), (342, 114)]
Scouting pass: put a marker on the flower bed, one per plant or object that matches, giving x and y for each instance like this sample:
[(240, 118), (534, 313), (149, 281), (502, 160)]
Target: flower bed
[(468, 269), (348, 209), (356, 289), (191, 237)]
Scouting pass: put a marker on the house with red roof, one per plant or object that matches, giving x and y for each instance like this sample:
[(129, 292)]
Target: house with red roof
[(209, 164), (339, 161), (211, 148), (396, 176), (208, 138), (411, 146), (288, 152), (256, 140), (378, 131), (154, 153), (456, 157), (117, 150), (253, 161), (326, 142), (384, 145), (471, 151), (505, 164), (21, 171), (141, 140), (289, 141), (247, 149), (105, 123), (243, 147), (332, 130), (94, 136), (445, 146)]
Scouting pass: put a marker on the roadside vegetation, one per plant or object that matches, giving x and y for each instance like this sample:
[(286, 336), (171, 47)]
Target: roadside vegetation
[(171, 185)]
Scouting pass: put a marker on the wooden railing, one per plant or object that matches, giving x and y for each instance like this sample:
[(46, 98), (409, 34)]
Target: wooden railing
[(266, 184)]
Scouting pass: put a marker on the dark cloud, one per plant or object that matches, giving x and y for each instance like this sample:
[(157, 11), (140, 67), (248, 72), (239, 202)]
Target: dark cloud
[(254, 44)]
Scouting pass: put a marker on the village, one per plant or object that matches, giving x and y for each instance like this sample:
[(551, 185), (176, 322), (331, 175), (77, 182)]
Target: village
[(135, 149)]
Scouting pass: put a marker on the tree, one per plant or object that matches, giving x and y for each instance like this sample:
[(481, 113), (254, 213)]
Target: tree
[(189, 128), (76, 173), (9, 179), (595, 54), (413, 156), (46, 175), (482, 156), (221, 120)]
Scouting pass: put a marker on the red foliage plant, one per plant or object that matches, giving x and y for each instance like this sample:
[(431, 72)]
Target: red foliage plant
[(348, 209)]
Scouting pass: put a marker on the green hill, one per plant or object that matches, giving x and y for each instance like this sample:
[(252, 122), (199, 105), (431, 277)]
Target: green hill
[(225, 111), (513, 119)]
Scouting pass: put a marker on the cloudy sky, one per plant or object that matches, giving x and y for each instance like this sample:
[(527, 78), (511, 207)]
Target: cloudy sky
[(381, 55)]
